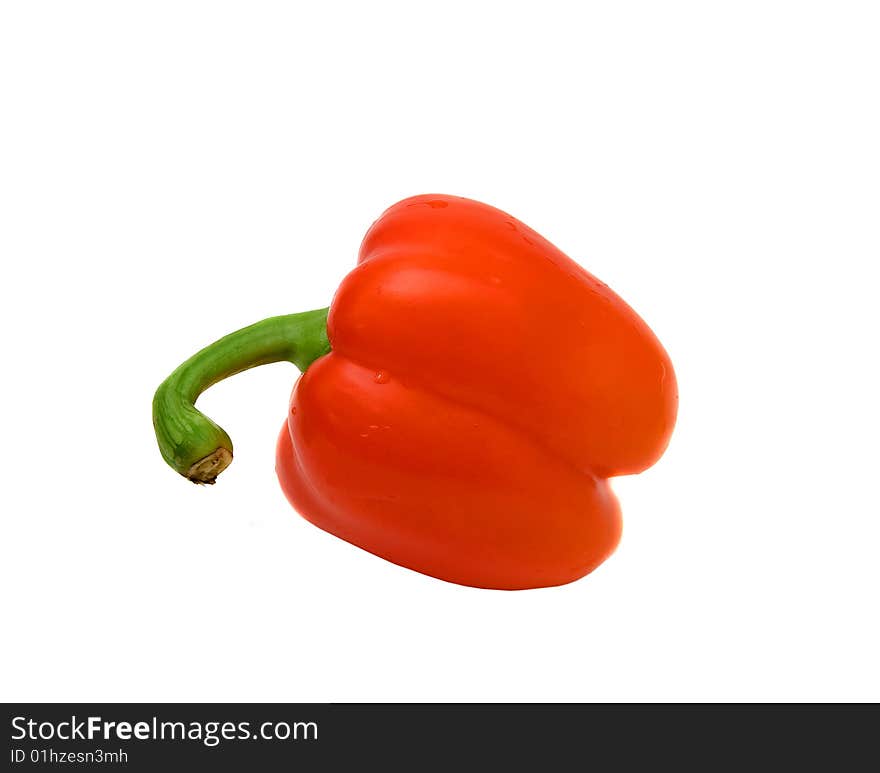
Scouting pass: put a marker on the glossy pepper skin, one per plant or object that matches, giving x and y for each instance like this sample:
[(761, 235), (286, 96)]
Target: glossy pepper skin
[(481, 389), (463, 401)]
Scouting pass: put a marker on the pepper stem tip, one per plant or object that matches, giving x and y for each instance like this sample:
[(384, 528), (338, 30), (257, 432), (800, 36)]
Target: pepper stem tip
[(205, 471)]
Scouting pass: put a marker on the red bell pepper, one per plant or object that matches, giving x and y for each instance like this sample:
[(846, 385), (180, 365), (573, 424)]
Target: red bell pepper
[(462, 408)]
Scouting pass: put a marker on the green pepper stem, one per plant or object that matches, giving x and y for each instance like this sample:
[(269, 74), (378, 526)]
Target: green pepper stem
[(189, 441)]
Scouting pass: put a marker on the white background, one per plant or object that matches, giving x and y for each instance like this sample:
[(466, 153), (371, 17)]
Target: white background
[(172, 171)]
